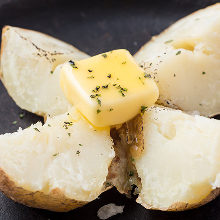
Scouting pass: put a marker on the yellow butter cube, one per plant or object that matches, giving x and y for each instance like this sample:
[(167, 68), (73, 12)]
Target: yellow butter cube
[(109, 88)]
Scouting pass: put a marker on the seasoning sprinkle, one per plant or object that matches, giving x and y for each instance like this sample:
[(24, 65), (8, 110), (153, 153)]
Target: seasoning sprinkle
[(69, 134), (104, 55), (92, 96), (111, 109), (73, 64), (54, 155), (21, 115), (67, 124), (143, 108), (96, 89), (78, 152), (178, 52), (98, 111), (203, 73), (36, 129), (90, 70), (51, 72), (105, 86), (80, 145), (49, 125), (91, 77), (99, 101), (131, 173), (141, 80), (14, 122), (109, 75), (147, 75), (168, 41), (124, 62)]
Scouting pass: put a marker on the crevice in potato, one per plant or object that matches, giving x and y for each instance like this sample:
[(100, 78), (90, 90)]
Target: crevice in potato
[(184, 44)]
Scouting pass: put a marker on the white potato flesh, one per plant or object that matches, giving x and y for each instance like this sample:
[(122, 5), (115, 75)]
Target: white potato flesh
[(180, 161), (28, 61), (43, 158), (185, 62)]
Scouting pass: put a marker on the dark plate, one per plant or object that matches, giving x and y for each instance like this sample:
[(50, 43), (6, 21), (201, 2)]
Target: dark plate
[(93, 27)]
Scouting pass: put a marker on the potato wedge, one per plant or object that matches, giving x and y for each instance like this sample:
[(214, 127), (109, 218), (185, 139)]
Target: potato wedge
[(28, 61), (185, 62), (58, 166), (177, 165)]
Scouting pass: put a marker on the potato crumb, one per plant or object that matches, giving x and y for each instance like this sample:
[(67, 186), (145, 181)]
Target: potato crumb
[(109, 210)]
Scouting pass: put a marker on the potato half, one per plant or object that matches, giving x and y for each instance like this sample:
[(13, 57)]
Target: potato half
[(185, 62), (28, 61), (178, 162), (58, 166)]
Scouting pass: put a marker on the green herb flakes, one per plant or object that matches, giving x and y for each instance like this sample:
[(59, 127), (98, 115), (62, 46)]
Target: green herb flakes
[(21, 115), (105, 86), (203, 73), (143, 108), (141, 80), (131, 173), (92, 96), (91, 77), (146, 75), (96, 89), (78, 152), (14, 122), (72, 64), (51, 72), (67, 124), (36, 129), (99, 101), (124, 62), (178, 52), (98, 111), (168, 41), (54, 155), (104, 55)]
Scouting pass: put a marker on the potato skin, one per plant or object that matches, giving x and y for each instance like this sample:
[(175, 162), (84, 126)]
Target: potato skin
[(54, 201), (181, 206)]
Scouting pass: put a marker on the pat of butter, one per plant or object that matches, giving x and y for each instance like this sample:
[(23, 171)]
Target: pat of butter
[(109, 88)]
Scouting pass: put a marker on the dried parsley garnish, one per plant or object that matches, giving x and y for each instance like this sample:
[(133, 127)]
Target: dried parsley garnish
[(98, 111), (73, 64), (143, 108), (36, 129)]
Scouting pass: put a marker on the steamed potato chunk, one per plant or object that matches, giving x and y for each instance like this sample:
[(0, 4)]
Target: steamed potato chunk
[(180, 165), (28, 61), (66, 161), (185, 62)]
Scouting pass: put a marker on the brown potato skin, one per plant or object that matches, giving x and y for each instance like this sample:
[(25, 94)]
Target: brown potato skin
[(54, 201), (181, 206)]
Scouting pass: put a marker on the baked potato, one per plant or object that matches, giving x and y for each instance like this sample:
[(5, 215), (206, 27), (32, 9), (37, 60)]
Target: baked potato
[(58, 166), (184, 60), (175, 158), (28, 61)]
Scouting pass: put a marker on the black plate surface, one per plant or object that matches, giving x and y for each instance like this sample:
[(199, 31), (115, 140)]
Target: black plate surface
[(94, 27)]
